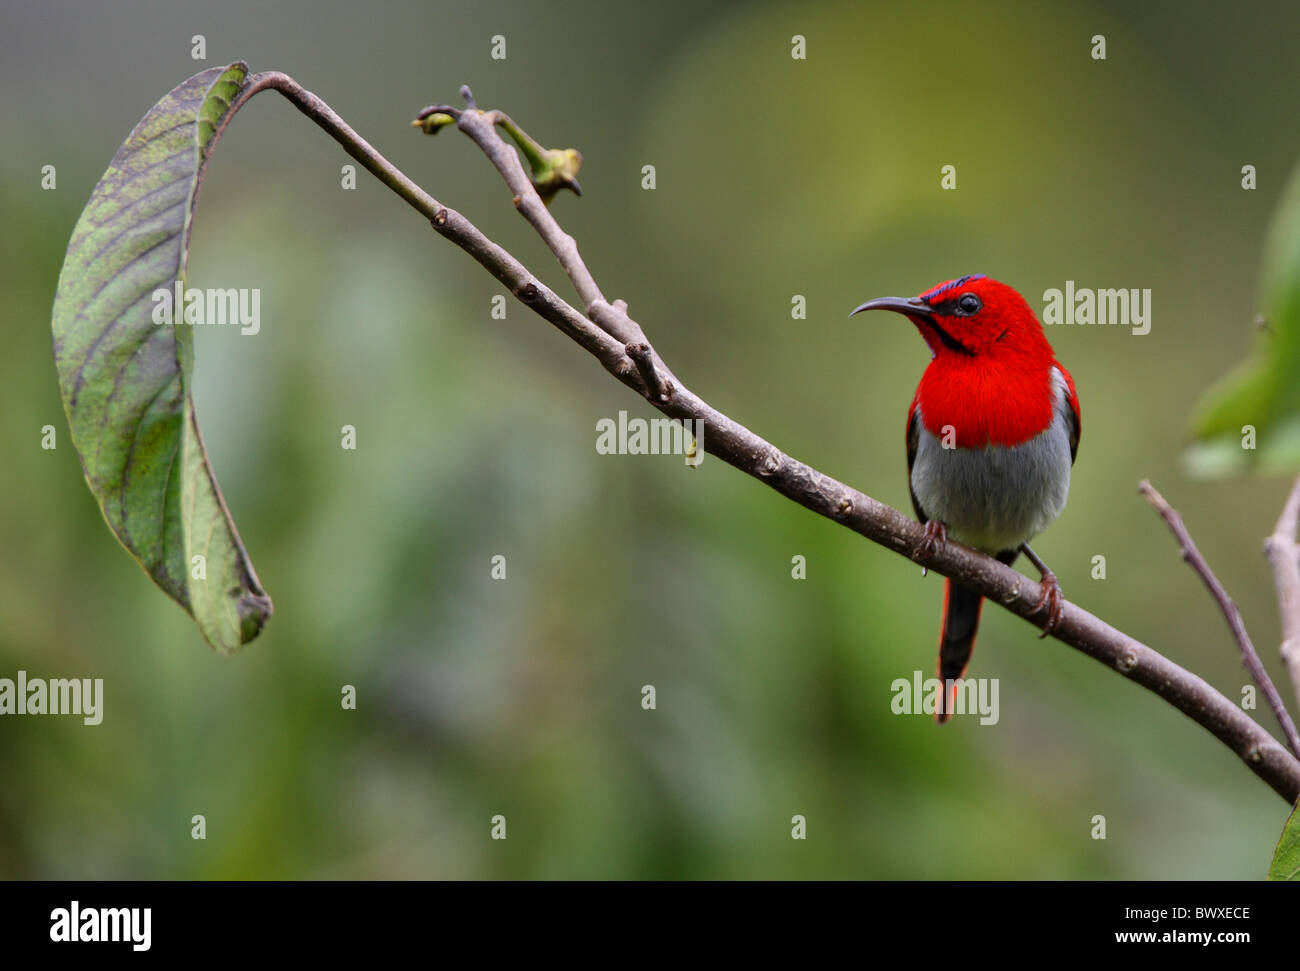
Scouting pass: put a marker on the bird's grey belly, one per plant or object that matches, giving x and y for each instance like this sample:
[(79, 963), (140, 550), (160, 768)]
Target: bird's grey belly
[(996, 497)]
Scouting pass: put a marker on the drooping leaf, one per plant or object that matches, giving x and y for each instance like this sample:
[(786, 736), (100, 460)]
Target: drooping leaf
[(125, 380), (1286, 859), (1262, 392)]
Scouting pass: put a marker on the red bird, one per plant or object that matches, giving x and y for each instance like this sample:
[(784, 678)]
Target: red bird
[(991, 437)]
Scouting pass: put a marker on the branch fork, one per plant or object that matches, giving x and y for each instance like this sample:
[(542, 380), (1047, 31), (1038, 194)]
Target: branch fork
[(1250, 657)]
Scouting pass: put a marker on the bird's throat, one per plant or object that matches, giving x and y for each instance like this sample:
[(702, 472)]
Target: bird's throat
[(946, 340)]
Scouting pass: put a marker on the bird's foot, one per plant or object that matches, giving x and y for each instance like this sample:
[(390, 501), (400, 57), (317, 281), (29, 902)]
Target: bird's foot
[(936, 534), (1051, 600)]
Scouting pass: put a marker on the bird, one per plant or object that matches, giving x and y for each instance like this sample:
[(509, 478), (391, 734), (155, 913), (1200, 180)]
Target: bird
[(992, 434)]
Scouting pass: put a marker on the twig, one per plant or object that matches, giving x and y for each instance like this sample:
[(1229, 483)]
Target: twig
[(1283, 554), (641, 355), (739, 447), (481, 126), (449, 223), (1250, 658)]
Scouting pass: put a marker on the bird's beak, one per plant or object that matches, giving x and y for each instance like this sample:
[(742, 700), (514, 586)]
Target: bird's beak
[(912, 306)]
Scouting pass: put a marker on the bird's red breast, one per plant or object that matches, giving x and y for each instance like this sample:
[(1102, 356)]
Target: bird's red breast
[(986, 403)]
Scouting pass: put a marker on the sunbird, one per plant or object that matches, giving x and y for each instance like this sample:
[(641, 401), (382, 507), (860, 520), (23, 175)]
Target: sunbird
[(991, 437)]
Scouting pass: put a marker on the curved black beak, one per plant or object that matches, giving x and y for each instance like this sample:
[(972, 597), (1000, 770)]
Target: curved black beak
[(912, 306)]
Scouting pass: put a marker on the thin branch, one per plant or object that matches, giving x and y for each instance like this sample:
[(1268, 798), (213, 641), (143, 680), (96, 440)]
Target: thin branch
[(481, 126), (741, 448), (1250, 658), (449, 223), (1283, 554), (613, 318)]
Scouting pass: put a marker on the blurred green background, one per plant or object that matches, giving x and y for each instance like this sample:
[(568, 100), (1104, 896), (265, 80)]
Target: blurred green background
[(476, 436)]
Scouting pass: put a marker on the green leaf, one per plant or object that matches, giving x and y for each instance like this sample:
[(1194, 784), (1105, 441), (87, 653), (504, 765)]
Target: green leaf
[(1262, 391), (125, 380), (1286, 860)]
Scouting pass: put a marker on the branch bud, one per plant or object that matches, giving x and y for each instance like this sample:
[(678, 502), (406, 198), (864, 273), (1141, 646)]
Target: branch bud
[(431, 121)]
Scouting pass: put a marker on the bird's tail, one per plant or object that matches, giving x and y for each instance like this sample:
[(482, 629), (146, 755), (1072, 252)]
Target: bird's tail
[(961, 619)]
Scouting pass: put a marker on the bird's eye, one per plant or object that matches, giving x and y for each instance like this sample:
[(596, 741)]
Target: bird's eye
[(969, 303)]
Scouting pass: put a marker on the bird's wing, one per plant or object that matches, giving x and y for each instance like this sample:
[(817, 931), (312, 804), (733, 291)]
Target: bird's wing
[(913, 443), (1070, 404)]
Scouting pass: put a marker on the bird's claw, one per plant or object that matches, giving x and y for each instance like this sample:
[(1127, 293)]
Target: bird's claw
[(936, 534), (1052, 600)]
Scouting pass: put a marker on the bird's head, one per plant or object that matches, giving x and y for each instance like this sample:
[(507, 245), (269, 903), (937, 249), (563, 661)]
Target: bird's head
[(970, 317)]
